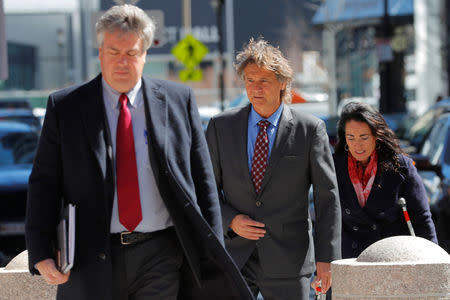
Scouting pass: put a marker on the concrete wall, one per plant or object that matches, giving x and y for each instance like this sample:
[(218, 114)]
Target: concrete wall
[(51, 35), (430, 69)]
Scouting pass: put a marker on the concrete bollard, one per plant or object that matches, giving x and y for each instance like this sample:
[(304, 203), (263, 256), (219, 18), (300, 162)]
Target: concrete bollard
[(18, 284), (400, 268)]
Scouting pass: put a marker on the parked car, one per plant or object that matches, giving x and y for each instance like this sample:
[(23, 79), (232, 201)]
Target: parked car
[(433, 163), (414, 138), (18, 143), (399, 122), (373, 101), (206, 113), (14, 104), (39, 112), (21, 115)]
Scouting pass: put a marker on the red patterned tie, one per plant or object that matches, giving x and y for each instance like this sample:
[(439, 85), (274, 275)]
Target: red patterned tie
[(130, 212), (259, 160)]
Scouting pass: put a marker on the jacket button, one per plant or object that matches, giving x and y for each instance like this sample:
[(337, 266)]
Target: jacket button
[(347, 211), (355, 228), (258, 203), (102, 256), (374, 227), (354, 245)]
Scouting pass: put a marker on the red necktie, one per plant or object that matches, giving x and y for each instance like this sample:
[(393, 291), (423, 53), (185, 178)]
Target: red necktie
[(260, 154), (130, 212)]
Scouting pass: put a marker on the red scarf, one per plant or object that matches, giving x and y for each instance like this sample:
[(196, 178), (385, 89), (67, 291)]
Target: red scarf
[(362, 178)]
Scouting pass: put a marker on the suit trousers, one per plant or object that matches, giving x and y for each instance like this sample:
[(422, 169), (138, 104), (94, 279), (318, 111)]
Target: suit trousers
[(148, 270), (295, 288)]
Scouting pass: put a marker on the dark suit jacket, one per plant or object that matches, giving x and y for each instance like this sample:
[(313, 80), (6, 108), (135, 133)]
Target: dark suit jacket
[(300, 157), (382, 217), (74, 162)]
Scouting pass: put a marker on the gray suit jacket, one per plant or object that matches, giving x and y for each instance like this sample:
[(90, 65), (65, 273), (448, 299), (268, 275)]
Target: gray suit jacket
[(300, 157)]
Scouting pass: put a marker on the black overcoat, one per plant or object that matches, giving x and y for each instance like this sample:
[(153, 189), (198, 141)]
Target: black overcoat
[(382, 216), (74, 162)]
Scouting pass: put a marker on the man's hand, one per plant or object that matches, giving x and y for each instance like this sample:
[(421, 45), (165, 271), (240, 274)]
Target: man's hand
[(50, 273), (247, 228), (323, 275)]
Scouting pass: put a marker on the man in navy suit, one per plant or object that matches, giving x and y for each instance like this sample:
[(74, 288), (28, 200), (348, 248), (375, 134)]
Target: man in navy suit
[(130, 153)]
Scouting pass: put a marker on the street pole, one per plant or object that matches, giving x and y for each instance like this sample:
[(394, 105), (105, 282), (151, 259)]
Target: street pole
[(86, 8), (218, 5), (187, 22), (385, 66), (329, 42), (392, 85), (229, 25), (3, 45)]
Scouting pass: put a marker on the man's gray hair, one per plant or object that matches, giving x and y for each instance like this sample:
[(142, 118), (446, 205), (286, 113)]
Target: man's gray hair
[(266, 56), (126, 18)]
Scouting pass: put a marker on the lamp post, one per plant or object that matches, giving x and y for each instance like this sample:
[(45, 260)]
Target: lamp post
[(3, 45), (385, 65), (391, 67), (187, 15), (218, 8), (61, 41)]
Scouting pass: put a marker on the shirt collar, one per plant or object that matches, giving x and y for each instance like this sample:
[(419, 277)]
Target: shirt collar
[(274, 119), (113, 95)]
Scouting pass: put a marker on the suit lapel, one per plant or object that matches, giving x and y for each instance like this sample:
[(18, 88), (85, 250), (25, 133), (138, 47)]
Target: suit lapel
[(281, 139), (156, 115), (92, 112), (240, 127)]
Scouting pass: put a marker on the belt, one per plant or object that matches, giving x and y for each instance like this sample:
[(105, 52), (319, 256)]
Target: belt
[(130, 238)]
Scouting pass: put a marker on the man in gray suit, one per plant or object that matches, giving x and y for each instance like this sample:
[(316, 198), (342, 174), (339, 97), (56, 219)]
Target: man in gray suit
[(265, 157)]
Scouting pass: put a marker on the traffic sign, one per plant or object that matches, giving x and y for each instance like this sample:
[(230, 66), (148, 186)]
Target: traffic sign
[(190, 51), (157, 16), (191, 75)]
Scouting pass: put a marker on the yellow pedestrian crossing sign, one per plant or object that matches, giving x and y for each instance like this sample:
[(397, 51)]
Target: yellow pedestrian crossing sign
[(191, 75), (190, 51)]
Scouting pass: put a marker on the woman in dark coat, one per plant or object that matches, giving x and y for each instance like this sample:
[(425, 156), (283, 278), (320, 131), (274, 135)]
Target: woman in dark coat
[(373, 173)]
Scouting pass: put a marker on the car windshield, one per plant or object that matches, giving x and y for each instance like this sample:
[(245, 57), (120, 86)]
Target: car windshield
[(30, 120), (423, 125), (11, 104), (17, 147), (447, 149), (434, 144)]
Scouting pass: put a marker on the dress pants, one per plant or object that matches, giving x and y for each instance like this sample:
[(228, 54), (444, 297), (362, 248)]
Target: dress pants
[(147, 270), (295, 288)]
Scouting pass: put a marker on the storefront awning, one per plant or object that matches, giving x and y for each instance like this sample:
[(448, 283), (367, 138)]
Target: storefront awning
[(342, 11)]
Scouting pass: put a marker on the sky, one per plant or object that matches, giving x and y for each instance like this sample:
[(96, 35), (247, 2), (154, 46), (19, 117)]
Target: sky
[(15, 6)]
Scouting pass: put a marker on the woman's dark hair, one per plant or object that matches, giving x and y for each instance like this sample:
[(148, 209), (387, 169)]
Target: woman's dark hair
[(386, 142)]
